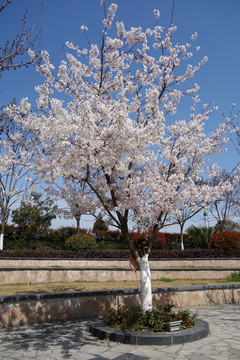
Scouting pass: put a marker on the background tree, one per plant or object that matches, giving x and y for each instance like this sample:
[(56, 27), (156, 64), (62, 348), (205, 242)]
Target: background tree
[(74, 195), (227, 208), (186, 214), (16, 176), (228, 225), (13, 170), (35, 211), (100, 224), (236, 129), (116, 135)]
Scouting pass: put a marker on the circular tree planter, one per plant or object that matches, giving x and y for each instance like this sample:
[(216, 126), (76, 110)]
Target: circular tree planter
[(198, 331)]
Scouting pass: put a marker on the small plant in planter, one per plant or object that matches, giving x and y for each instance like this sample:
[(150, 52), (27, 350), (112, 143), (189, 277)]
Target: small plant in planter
[(155, 320)]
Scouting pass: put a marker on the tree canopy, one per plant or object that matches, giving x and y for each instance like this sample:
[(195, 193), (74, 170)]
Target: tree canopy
[(35, 211)]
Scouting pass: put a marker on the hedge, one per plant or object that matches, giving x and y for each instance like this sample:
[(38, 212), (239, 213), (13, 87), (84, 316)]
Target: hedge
[(122, 254), (39, 239), (36, 238)]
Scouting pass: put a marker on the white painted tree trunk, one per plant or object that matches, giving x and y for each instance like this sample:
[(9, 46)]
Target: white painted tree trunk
[(146, 286), (1, 241), (182, 244)]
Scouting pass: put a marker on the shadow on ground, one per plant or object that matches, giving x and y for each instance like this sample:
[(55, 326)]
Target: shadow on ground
[(67, 335)]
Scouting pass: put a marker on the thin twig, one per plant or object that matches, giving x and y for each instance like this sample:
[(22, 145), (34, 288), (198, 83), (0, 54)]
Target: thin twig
[(4, 5), (173, 6)]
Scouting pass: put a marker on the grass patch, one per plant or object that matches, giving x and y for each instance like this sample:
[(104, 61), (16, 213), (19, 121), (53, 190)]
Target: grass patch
[(234, 277), (56, 266), (163, 279)]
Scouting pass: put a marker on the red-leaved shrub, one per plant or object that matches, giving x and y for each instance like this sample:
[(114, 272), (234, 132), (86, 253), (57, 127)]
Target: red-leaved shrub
[(225, 239), (159, 241)]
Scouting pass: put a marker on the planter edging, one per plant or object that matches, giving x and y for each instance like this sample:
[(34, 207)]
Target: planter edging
[(197, 332)]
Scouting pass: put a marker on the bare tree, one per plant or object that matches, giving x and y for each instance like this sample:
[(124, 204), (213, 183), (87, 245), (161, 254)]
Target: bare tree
[(181, 220), (228, 208)]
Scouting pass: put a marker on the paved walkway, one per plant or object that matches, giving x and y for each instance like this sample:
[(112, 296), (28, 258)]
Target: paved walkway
[(71, 340)]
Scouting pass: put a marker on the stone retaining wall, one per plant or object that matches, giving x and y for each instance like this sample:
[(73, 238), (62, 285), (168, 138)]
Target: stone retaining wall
[(46, 275), (158, 263), (30, 309)]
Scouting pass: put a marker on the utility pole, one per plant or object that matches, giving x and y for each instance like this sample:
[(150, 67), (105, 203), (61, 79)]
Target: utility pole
[(205, 218)]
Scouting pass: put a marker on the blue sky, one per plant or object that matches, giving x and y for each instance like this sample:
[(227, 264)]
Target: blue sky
[(216, 22)]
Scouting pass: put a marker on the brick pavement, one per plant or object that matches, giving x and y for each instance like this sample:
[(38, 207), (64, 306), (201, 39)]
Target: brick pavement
[(71, 340)]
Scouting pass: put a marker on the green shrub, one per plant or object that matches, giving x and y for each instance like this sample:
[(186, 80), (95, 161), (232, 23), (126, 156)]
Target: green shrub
[(65, 232), (134, 319), (173, 241), (61, 235), (28, 237), (200, 237), (37, 238), (109, 240), (110, 245), (81, 242), (100, 224)]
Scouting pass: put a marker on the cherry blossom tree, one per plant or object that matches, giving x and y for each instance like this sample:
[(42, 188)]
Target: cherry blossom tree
[(13, 52), (113, 129)]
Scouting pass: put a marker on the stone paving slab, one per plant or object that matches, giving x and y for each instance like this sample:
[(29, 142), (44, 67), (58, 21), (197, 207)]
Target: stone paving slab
[(71, 340)]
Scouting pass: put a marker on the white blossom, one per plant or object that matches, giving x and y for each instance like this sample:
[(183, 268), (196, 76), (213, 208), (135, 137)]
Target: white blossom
[(84, 28), (194, 36), (204, 60), (156, 14)]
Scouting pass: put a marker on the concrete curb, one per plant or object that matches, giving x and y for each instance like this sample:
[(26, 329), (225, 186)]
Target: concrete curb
[(197, 332), (38, 308), (45, 296)]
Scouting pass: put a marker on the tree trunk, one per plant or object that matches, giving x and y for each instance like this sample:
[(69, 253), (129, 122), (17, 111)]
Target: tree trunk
[(78, 218), (145, 274), (146, 287), (182, 243), (1, 241), (78, 225), (3, 219)]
